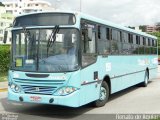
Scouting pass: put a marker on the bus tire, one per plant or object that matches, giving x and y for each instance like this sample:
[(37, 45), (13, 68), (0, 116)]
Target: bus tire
[(104, 95), (146, 78)]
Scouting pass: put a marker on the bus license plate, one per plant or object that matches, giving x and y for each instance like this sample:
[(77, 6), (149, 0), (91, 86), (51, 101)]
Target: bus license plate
[(35, 98)]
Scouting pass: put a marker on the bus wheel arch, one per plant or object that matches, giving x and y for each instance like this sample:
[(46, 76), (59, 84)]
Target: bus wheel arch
[(146, 78), (104, 92), (147, 70), (108, 81)]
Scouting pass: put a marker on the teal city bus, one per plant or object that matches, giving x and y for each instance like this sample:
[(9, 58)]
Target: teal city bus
[(72, 59)]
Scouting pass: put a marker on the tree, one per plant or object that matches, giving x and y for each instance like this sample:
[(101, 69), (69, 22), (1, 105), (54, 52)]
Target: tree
[(143, 28), (158, 26), (1, 4), (131, 27), (157, 34)]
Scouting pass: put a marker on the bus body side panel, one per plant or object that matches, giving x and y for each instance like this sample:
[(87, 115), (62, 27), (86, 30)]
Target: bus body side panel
[(121, 70), (153, 68), (89, 87), (124, 71), (127, 71), (153, 73)]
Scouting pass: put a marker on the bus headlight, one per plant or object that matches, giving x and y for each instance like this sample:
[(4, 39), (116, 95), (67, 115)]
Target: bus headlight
[(15, 88), (65, 91)]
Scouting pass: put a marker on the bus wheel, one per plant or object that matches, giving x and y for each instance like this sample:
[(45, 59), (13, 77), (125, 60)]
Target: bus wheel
[(104, 95), (145, 83)]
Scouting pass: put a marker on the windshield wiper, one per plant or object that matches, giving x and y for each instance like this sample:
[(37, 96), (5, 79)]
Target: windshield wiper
[(52, 38), (26, 34)]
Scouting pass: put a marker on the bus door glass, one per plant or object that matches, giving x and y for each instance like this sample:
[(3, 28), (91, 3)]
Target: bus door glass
[(88, 44)]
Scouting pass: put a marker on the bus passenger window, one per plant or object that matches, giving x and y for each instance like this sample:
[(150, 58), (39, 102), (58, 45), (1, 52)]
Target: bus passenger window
[(99, 32), (107, 34), (116, 46), (149, 42), (104, 43)]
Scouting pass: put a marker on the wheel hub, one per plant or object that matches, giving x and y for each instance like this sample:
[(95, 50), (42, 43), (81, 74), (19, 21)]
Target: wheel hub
[(103, 93)]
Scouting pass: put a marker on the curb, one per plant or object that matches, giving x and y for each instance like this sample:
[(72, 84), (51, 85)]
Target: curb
[(3, 89), (3, 86)]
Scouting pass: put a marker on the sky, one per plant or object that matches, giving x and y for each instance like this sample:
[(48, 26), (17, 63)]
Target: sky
[(123, 12)]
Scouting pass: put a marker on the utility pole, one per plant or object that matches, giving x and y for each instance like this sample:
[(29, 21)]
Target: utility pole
[(56, 4), (80, 6)]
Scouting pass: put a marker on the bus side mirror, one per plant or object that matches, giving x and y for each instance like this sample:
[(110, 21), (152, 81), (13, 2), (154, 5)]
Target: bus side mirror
[(90, 34), (5, 37)]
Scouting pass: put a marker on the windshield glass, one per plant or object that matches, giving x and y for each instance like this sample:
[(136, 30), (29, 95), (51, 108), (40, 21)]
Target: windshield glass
[(45, 50)]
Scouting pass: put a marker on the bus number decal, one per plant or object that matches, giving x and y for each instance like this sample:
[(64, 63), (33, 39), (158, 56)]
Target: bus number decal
[(143, 62), (108, 67), (155, 61)]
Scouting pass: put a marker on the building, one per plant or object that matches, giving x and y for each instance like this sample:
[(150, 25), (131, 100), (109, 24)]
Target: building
[(138, 29), (18, 7), (12, 8), (158, 26), (6, 19), (150, 28), (147, 28)]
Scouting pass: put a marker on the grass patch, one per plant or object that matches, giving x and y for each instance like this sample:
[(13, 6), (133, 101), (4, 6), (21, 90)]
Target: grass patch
[(3, 77), (156, 119)]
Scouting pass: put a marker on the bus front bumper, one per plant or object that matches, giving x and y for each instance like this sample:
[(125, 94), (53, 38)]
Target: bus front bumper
[(71, 100)]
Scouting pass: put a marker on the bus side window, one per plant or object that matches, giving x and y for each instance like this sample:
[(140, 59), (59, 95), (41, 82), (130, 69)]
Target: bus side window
[(88, 47), (103, 41)]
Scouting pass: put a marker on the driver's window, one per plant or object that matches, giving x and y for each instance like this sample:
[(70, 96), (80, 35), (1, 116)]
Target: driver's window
[(88, 44)]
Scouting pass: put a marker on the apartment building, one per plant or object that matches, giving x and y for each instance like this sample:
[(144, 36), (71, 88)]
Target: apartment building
[(150, 28), (6, 20), (17, 7)]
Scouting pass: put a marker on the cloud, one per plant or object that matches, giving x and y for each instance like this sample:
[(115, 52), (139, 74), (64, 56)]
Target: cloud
[(124, 12)]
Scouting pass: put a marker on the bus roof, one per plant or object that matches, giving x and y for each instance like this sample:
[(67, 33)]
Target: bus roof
[(110, 24), (97, 20)]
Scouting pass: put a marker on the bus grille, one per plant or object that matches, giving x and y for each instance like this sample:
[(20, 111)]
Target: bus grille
[(45, 87), (38, 89)]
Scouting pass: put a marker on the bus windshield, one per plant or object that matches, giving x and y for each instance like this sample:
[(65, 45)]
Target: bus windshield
[(45, 50)]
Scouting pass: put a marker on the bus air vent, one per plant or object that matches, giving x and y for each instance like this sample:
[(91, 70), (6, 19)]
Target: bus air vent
[(37, 75)]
